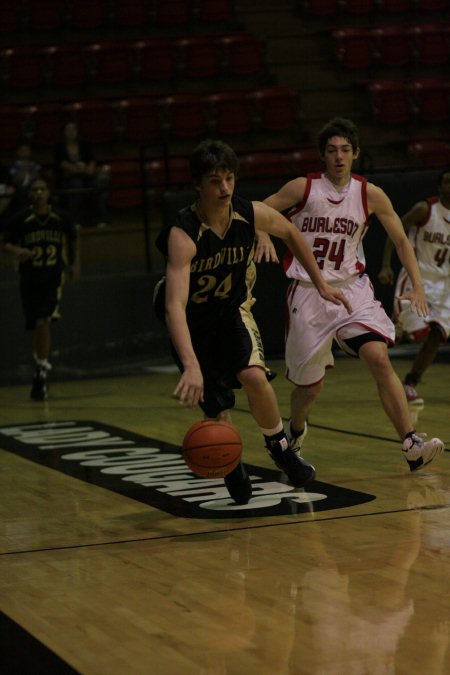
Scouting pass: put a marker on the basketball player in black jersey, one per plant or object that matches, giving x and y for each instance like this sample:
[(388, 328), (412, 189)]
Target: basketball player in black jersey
[(206, 298), (45, 243)]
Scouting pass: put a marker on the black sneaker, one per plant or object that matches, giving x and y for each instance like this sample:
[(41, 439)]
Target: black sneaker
[(39, 389), (295, 467), (239, 485)]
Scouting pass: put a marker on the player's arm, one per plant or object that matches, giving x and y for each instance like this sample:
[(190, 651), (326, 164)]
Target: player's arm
[(181, 250), (416, 215), (290, 194), (380, 204), (269, 220), (287, 196)]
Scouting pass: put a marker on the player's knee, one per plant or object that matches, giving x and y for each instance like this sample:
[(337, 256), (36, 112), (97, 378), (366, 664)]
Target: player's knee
[(252, 378)]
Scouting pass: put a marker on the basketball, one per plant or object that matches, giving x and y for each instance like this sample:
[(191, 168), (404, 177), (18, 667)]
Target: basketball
[(212, 448)]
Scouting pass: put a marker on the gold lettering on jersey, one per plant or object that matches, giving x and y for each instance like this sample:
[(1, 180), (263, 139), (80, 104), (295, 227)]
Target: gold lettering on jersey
[(326, 225), (231, 255), (43, 235)]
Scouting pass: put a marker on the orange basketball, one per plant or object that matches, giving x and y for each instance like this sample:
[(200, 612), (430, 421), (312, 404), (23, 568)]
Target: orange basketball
[(212, 448)]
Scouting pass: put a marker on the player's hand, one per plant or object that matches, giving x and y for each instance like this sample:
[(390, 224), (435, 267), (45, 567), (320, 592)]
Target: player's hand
[(386, 275), (417, 299), (189, 389), (336, 296), (265, 250)]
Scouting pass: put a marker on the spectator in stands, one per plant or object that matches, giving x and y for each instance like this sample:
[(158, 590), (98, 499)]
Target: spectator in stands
[(45, 244), (78, 177), (23, 171), (428, 227)]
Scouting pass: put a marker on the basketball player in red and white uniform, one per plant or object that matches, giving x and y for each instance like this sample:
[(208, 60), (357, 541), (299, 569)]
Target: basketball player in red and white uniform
[(332, 210), (428, 226)]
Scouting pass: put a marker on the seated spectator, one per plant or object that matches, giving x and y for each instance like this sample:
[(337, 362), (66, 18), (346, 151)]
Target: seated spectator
[(79, 180), (23, 172)]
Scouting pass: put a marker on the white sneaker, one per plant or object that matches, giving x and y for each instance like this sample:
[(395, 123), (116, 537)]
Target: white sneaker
[(296, 443), (412, 396), (419, 453)]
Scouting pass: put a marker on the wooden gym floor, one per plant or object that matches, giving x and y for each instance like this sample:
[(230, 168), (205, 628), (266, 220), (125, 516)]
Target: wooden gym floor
[(116, 561)]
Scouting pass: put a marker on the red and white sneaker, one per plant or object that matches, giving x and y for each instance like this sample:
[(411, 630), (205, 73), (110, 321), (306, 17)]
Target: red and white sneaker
[(419, 452), (412, 396)]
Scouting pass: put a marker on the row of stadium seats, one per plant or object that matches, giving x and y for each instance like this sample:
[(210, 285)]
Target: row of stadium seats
[(146, 119), (127, 61), (396, 46), (53, 15), (397, 102), (131, 183)]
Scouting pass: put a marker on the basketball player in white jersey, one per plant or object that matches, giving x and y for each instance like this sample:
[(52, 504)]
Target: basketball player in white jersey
[(428, 227), (332, 210)]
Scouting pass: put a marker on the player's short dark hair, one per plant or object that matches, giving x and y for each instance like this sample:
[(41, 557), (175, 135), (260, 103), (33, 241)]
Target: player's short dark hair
[(338, 126), (211, 155)]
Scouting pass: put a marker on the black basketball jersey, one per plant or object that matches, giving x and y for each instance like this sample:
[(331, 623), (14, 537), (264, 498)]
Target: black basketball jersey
[(222, 270), (51, 238)]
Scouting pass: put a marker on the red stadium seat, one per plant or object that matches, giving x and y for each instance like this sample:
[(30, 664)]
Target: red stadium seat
[(47, 120), (174, 173), (430, 153), (354, 47), (67, 65), (392, 45), (277, 109), (25, 67), (265, 165), (112, 62), (140, 118), (125, 187), (231, 113), (199, 56), (391, 103), (431, 44), (305, 160), (96, 119), (431, 98), (185, 116), (156, 59), (243, 55)]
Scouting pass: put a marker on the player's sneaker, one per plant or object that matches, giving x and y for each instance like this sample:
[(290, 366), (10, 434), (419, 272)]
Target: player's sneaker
[(412, 396), (239, 485), (296, 442), (295, 467), (39, 388), (419, 453)]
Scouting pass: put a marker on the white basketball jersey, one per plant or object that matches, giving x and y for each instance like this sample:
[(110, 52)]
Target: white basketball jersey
[(431, 242), (334, 224)]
